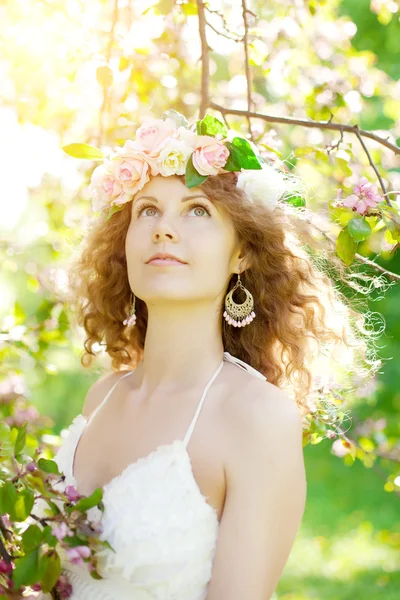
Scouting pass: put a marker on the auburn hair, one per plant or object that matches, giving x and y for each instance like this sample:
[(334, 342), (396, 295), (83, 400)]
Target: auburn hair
[(306, 338)]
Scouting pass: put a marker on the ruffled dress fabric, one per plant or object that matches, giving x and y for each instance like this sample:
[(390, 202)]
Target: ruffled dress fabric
[(162, 529)]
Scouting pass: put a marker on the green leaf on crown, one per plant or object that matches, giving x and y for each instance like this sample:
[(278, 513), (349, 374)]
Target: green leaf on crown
[(193, 177), (241, 156), (296, 200), (359, 229), (180, 120), (83, 151), (113, 209), (211, 126)]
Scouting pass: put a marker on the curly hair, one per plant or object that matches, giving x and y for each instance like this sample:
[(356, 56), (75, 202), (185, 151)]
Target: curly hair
[(306, 337)]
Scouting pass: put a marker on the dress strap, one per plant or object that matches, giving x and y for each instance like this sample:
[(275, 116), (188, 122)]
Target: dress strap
[(245, 365), (196, 415), (94, 413)]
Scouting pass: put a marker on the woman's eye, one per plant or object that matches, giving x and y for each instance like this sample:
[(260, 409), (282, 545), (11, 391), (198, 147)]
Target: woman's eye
[(141, 209)]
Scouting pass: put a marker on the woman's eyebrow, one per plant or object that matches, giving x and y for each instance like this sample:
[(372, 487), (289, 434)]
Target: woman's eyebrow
[(184, 199)]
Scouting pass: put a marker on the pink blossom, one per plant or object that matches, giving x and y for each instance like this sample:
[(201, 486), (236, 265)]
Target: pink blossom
[(76, 554), (71, 493), (61, 530), (36, 587), (30, 414), (63, 587), (365, 196), (5, 567), (12, 386), (209, 156)]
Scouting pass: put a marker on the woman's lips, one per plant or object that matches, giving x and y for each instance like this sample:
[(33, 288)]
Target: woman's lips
[(164, 262)]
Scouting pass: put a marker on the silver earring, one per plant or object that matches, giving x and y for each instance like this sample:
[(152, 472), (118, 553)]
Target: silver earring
[(239, 315), (130, 321)]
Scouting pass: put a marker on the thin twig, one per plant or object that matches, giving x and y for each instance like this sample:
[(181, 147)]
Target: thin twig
[(247, 66), (371, 162), (229, 36)]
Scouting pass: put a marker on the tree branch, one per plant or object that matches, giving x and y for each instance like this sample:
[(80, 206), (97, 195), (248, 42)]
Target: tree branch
[(205, 60), (305, 123)]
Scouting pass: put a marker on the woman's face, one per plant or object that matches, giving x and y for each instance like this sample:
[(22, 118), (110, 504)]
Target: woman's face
[(183, 222)]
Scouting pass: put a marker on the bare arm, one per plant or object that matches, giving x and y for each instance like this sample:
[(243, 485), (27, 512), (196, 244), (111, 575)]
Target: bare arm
[(265, 502)]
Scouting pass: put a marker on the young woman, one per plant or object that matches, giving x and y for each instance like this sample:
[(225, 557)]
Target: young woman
[(196, 445)]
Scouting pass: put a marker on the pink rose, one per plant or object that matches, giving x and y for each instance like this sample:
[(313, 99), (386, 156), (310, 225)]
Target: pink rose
[(210, 155), (105, 189), (132, 173), (152, 135), (132, 150)]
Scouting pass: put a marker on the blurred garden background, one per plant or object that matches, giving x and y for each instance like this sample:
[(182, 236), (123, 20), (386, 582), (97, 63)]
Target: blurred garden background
[(87, 71)]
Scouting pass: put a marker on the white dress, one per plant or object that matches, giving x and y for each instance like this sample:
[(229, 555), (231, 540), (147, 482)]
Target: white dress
[(162, 528)]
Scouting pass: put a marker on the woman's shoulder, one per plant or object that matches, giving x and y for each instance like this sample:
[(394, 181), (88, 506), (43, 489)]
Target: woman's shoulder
[(99, 389)]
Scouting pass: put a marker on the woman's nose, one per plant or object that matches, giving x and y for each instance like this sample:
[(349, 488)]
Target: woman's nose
[(163, 229)]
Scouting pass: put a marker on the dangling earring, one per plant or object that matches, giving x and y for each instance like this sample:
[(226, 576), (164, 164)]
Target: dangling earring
[(239, 315), (131, 320)]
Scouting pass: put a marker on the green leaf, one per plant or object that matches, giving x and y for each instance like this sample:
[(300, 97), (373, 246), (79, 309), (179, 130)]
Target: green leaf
[(8, 497), (48, 466), (83, 151), (6, 443), (359, 229), (392, 221), (211, 126), (180, 120), (190, 8), (21, 439), (23, 505), (26, 570), (113, 209), (346, 246), (340, 214), (296, 201), (304, 150), (123, 63), (85, 503), (31, 538), (241, 156), (19, 313), (50, 570), (192, 177), (270, 148), (48, 537)]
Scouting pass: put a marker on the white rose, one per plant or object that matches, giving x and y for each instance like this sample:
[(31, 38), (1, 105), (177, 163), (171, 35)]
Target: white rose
[(264, 186), (173, 158)]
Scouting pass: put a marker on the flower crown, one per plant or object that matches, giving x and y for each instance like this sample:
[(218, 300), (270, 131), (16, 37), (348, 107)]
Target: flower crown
[(169, 147)]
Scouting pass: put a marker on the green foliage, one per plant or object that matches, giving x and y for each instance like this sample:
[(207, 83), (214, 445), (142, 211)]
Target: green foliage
[(83, 151)]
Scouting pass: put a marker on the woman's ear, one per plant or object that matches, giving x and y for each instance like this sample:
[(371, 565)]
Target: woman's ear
[(243, 263)]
